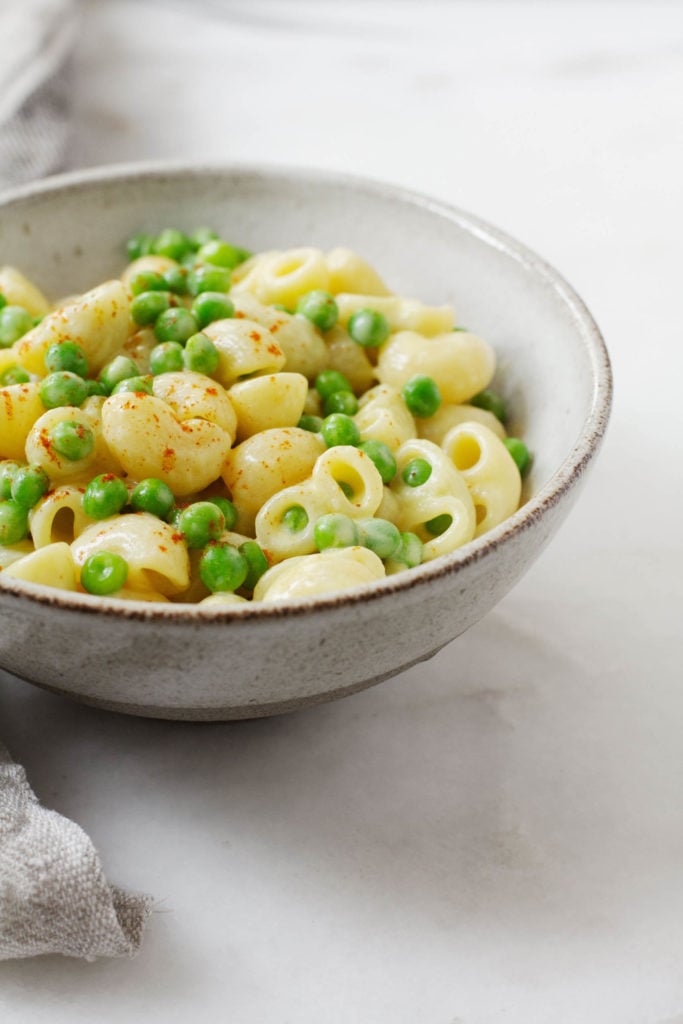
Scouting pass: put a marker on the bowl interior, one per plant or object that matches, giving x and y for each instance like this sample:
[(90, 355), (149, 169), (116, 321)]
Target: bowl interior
[(72, 238)]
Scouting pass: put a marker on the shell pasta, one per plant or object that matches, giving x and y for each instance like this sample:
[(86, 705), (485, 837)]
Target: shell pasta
[(224, 428)]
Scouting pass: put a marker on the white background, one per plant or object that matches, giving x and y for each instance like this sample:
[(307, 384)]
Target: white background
[(495, 837)]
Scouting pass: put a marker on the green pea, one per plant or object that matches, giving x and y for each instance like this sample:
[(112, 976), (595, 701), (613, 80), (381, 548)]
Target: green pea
[(172, 243), (13, 522), (3, 301), (222, 568), (310, 423), (320, 308), (383, 458), (62, 388), (174, 517), (200, 523), (211, 306), (66, 355), (175, 280), (118, 369), (105, 496), (341, 401), (330, 381), (153, 496), (175, 325), (335, 530), (295, 519), (201, 236), (104, 572), (228, 509), (408, 555), (14, 375), (188, 262), (222, 254), (8, 470), (136, 385), (519, 452), (201, 355), (339, 429), (147, 281), (72, 440), (380, 536), (147, 306), (208, 279), (139, 245), (29, 485), (15, 321), (421, 395), (95, 387), (166, 357), (439, 524), (256, 561), (416, 472), (492, 402), (369, 328)]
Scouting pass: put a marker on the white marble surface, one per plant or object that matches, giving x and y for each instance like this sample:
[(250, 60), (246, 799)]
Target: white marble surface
[(495, 837)]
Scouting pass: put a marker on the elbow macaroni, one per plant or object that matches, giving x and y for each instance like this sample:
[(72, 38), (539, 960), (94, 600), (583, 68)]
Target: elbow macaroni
[(488, 470), (229, 432), (460, 363)]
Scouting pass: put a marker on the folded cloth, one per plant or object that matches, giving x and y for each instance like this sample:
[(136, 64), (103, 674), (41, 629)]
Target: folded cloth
[(54, 897), (38, 38)]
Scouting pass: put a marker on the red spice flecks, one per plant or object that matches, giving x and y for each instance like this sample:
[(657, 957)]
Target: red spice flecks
[(254, 335), (107, 477), (212, 391), (45, 443), (168, 459), (9, 411), (163, 548), (274, 349), (239, 315), (177, 538)]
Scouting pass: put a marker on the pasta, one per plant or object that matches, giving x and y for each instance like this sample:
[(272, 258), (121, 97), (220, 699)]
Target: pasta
[(222, 428), (461, 363), (263, 403)]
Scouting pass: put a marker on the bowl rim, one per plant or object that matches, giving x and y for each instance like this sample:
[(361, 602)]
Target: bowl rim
[(565, 476)]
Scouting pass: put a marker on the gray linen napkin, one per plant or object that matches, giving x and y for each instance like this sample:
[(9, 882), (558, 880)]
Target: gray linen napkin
[(54, 897), (38, 37)]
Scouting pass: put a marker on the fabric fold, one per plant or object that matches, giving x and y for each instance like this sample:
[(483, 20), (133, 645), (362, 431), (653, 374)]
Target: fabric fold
[(54, 897), (38, 40)]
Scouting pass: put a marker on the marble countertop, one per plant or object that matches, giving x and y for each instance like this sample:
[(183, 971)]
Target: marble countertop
[(494, 837)]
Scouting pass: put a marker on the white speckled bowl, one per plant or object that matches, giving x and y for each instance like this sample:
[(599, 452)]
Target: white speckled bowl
[(192, 663)]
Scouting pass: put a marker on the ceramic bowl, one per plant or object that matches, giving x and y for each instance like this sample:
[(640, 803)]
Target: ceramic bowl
[(194, 663)]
